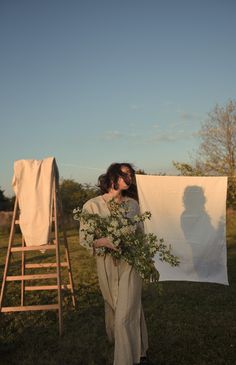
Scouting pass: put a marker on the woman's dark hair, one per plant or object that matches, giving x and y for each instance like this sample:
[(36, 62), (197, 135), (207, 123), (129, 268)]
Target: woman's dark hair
[(112, 175)]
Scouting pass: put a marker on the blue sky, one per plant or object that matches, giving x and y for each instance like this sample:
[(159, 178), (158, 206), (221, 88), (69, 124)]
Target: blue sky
[(97, 81)]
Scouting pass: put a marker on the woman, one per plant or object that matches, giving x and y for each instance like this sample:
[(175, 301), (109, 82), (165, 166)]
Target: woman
[(120, 285)]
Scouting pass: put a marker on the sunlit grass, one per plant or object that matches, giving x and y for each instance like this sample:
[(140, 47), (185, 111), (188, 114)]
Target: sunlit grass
[(188, 323)]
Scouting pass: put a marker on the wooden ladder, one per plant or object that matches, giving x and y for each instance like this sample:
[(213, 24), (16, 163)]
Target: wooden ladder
[(57, 265)]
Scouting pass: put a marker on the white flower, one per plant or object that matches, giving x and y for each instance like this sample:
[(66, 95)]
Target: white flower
[(127, 230), (114, 223)]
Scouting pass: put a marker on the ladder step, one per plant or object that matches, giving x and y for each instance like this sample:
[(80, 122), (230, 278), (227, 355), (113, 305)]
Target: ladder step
[(47, 287), (25, 308), (31, 277), (48, 264), (33, 248)]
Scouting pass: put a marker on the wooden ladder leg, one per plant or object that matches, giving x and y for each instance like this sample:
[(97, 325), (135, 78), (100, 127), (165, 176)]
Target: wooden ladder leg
[(71, 281), (59, 288), (23, 273), (58, 261), (8, 256), (69, 268)]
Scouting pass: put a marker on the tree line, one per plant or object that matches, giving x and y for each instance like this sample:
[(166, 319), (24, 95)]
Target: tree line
[(216, 156)]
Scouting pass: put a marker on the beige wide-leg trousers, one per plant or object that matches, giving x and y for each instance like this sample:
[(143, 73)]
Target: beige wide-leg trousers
[(121, 288)]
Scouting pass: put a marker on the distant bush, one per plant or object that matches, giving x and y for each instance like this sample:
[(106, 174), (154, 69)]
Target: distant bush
[(74, 194), (5, 221)]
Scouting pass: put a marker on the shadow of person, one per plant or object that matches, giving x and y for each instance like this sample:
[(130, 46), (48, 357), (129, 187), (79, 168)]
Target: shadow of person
[(201, 236)]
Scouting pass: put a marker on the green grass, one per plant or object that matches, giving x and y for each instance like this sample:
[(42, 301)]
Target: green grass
[(188, 323)]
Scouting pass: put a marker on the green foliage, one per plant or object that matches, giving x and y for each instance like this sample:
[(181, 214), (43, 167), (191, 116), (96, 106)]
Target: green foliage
[(5, 203), (187, 169), (75, 194), (217, 149), (140, 172), (216, 155), (231, 192)]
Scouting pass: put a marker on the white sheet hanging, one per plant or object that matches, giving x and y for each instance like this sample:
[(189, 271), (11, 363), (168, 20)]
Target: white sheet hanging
[(189, 213), (32, 183)]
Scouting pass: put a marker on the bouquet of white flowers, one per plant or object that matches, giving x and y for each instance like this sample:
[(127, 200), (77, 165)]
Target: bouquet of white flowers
[(133, 245)]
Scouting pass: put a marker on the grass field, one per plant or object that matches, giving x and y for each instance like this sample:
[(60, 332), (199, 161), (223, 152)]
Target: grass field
[(188, 323)]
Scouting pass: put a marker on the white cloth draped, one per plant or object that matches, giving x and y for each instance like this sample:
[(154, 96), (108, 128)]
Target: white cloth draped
[(189, 213), (32, 183)]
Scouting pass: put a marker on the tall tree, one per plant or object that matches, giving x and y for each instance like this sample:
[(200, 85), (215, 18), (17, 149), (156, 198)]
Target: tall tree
[(217, 151)]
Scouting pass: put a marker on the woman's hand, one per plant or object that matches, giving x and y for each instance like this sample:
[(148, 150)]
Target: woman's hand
[(104, 242), (155, 275)]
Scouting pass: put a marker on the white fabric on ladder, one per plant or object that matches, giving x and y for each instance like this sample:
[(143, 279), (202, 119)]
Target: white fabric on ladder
[(189, 214), (32, 183)]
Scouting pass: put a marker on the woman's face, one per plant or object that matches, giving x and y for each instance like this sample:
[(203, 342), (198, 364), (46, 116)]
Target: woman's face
[(126, 178)]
